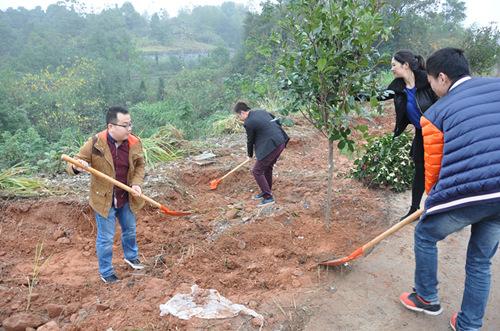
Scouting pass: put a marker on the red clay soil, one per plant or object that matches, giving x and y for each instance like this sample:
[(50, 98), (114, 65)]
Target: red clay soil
[(249, 255)]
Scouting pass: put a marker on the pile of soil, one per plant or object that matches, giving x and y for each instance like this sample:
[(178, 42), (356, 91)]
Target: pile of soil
[(250, 255)]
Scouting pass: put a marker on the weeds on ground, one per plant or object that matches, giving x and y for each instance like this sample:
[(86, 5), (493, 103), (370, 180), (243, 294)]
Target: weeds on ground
[(37, 267), (295, 317), (13, 183)]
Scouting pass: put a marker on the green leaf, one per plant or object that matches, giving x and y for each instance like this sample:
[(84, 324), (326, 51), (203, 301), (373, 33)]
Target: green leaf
[(321, 64)]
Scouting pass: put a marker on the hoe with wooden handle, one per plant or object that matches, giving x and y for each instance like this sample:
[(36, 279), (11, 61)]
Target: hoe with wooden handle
[(97, 173), (214, 183), (361, 251)]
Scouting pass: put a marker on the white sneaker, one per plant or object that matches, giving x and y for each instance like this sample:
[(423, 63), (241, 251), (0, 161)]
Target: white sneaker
[(135, 263)]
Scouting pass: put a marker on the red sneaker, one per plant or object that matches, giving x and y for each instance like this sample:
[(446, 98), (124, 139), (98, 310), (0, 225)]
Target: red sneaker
[(414, 302), (453, 322)]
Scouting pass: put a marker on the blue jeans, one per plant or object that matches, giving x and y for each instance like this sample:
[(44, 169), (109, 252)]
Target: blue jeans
[(106, 234), (483, 243)]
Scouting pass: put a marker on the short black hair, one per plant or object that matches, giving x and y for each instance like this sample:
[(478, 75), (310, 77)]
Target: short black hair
[(450, 61), (111, 115), (240, 106), (416, 62)]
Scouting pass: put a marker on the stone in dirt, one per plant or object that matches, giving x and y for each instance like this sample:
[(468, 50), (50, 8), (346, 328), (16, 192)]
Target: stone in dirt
[(253, 267), (252, 304), (50, 326), (204, 156), (54, 310), (257, 322), (102, 307), (231, 214), (59, 233), (280, 252), (63, 240), (22, 321)]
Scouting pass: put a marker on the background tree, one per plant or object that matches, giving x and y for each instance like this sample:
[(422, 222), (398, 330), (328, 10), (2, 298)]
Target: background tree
[(328, 59), (161, 89), (423, 25), (482, 48), (65, 98), (259, 51)]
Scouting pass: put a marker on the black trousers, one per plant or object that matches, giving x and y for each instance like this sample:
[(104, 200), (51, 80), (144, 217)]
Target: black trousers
[(417, 154)]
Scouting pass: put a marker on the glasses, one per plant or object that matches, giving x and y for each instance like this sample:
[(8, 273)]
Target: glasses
[(126, 126)]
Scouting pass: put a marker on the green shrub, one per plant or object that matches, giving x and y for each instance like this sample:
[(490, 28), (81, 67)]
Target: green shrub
[(149, 117), (287, 121), (26, 147), (386, 163), (50, 162), (35, 153), (385, 77)]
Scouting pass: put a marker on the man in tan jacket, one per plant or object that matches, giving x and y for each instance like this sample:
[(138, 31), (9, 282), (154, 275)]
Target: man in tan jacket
[(118, 154)]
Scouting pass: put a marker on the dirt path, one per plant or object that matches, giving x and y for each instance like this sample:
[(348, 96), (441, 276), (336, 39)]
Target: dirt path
[(366, 298)]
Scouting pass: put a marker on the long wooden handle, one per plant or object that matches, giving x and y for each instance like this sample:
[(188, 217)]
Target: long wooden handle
[(109, 179), (410, 219), (236, 168)]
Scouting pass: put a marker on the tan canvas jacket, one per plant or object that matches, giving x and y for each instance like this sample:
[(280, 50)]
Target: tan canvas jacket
[(97, 153)]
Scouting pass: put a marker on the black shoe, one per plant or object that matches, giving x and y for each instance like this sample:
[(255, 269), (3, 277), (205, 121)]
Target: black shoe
[(412, 210), (110, 279), (266, 202), (258, 196), (135, 263), (414, 302)]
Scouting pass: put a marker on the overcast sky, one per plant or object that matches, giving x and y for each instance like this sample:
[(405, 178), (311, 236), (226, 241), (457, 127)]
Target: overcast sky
[(480, 11), (141, 6)]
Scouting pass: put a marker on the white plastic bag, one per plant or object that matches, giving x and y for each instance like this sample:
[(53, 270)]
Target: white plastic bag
[(204, 304)]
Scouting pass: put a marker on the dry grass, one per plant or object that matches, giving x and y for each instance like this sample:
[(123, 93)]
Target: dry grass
[(37, 267)]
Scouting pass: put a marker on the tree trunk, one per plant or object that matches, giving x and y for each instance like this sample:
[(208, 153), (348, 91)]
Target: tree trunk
[(328, 208)]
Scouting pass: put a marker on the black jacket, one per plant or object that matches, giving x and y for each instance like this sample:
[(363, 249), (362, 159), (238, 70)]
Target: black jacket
[(264, 132), (425, 98)]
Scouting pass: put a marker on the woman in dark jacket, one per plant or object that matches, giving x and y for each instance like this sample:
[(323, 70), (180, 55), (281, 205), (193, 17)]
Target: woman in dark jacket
[(412, 96)]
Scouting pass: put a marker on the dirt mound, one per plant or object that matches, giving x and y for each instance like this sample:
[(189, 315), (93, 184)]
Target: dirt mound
[(249, 255)]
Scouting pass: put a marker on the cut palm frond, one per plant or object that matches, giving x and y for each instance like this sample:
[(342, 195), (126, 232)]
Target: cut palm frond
[(163, 146), (12, 183)]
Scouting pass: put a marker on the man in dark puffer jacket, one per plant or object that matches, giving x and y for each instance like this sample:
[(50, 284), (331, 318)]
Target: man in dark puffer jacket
[(462, 172)]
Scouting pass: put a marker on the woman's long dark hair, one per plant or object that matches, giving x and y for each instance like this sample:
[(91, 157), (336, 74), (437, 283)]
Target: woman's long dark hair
[(416, 62)]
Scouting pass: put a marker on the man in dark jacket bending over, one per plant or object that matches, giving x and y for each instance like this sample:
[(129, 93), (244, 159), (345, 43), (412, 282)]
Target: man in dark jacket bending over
[(264, 133)]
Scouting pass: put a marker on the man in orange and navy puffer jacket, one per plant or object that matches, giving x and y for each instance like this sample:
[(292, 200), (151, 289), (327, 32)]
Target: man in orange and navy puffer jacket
[(462, 173)]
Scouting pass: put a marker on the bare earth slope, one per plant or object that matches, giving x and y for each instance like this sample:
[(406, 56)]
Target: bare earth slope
[(266, 259)]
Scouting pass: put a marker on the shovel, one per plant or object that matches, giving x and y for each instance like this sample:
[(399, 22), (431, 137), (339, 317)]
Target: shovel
[(214, 183), (368, 246), (97, 173)]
